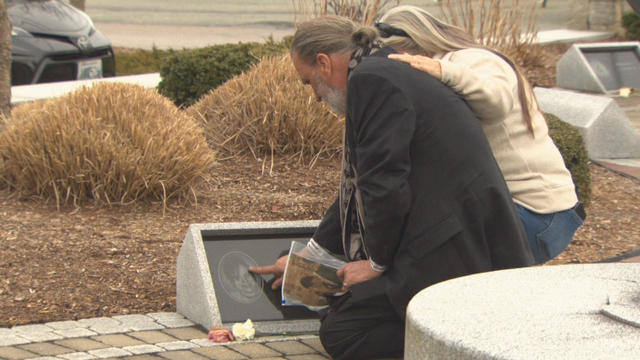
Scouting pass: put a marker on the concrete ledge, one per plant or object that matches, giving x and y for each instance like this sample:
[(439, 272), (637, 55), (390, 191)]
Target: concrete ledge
[(589, 311), (605, 128), (26, 93)]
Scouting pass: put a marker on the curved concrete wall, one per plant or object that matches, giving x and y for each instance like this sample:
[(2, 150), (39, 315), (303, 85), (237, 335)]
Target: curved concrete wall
[(589, 311)]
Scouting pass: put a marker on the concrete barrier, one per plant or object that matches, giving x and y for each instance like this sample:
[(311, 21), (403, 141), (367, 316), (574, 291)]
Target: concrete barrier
[(588, 311), (605, 128)]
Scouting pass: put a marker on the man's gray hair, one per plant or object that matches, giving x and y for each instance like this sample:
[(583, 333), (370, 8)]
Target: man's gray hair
[(325, 34)]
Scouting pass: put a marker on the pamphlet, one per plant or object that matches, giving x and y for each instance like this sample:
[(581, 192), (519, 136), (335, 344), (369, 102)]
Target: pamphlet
[(310, 275)]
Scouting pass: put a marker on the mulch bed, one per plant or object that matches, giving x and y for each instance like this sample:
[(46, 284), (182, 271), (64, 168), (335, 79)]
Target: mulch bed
[(103, 261)]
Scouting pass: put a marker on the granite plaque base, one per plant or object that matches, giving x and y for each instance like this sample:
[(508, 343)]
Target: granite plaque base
[(600, 67), (214, 287), (605, 128)]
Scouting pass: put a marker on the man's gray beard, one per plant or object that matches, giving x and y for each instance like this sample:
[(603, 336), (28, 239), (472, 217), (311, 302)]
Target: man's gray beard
[(337, 101), (335, 98)]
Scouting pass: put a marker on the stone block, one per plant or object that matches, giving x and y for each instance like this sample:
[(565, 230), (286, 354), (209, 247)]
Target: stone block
[(196, 293), (605, 129), (177, 345), (118, 340), (254, 350), (581, 311), (14, 353), (599, 67), (109, 353), (152, 337), (290, 347), (219, 352), (138, 322), (46, 348)]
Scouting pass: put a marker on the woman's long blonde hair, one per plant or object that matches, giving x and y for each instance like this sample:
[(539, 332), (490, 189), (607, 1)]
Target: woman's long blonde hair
[(430, 36)]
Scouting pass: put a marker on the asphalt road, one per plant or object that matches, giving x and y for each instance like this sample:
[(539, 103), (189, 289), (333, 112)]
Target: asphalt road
[(195, 23)]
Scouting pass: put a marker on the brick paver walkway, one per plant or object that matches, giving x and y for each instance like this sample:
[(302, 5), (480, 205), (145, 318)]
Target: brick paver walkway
[(150, 336)]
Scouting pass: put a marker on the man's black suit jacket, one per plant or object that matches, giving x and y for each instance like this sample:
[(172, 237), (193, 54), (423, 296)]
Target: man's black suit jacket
[(435, 203)]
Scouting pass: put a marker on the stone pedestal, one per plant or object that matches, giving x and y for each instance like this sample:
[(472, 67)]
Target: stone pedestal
[(605, 128), (203, 298), (589, 311)]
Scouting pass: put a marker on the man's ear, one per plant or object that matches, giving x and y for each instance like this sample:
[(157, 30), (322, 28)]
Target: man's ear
[(323, 62)]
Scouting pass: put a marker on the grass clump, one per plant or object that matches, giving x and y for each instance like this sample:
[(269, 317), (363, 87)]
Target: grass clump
[(266, 111), (110, 143), (569, 141)]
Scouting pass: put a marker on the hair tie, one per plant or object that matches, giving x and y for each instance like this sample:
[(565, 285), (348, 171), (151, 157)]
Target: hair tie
[(387, 30)]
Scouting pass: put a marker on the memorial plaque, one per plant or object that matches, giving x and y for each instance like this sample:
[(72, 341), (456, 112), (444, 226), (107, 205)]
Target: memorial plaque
[(600, 67), (215, 288), (242, 295), (615, 68)]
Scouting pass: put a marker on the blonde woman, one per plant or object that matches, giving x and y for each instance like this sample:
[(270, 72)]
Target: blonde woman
[(503, 101)]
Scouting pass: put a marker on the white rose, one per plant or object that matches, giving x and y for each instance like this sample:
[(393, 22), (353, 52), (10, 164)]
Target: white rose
[(244, 331)]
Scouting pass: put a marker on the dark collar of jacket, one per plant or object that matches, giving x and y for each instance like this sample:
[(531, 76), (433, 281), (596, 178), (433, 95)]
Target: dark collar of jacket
[(363, 53)]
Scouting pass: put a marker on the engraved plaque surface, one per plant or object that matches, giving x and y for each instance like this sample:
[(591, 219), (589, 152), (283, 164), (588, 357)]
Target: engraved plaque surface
[(615, 68), (240, 294)]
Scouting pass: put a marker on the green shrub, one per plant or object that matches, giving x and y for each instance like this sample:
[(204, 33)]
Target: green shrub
[(569, 141), (631, 23), (266, 111), (110, 143), (189, 74), (139, 61)]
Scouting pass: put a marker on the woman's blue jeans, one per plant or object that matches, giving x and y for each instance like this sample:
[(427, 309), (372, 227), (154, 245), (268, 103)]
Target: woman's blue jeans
[(549, 234)]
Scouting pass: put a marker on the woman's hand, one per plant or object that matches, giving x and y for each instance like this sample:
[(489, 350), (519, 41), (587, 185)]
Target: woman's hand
[(356, 272), (420, 62)]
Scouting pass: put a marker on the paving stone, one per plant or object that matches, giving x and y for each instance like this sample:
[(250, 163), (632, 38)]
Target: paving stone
[(75, 332), (41, 336), (143, 349), (219, 352), (165, 316), (204, 342), (82, 344), (77, 356), (46, 358), (182, 355), (307, 357), (12, 339), (14, 353), (177, 345), (315, 344), (176, 323), (254, 350), (139, 322), (291, 347), (274, 358), (187, 333), (65, 325), (31, 329), (46, 349), (105, 325), (109, 352), (152, 337), (145, 357), (118, 340)]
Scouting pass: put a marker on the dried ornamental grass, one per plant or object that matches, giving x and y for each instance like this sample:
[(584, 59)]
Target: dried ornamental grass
[(111, 143), (268, 111)]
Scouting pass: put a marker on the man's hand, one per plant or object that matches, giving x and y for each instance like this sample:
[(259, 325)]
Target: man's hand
[(277, 270), (420, 62), (356, 272)]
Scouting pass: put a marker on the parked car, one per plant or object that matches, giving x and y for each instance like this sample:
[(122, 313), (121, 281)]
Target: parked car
[(53, 41)]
